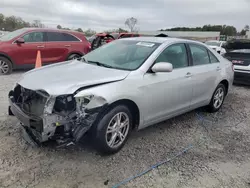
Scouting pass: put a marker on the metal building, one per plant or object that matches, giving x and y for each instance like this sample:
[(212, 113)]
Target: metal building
[(194, 35)]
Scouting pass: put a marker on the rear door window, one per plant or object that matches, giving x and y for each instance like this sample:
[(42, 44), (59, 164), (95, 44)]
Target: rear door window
[(34, 37), (199, 54)]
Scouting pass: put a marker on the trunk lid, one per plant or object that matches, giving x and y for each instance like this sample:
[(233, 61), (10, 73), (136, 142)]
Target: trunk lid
[(238, 51), (239, 57)]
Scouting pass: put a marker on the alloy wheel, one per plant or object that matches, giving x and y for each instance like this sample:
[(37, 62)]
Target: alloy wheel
[(117, 130), (4, 67), (218, 98)]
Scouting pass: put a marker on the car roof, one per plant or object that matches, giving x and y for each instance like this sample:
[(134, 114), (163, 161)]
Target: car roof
[(161, 39), (49, 29)]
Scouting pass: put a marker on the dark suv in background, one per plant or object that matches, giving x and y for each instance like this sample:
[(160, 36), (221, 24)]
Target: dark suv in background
[(18, 49), (238, 52)]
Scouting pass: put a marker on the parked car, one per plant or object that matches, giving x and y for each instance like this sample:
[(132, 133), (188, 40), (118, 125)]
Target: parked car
[(216, 45), (238, 51), (125, 85), (18, 49), (99, 39)]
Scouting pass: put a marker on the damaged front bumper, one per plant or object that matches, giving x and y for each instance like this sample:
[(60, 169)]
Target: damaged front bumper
[(55, 122)]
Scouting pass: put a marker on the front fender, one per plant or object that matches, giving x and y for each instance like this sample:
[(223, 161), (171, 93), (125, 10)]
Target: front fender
[(112, 92)]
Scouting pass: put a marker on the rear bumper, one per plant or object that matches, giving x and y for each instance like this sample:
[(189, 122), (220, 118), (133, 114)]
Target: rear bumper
[(242, 77)]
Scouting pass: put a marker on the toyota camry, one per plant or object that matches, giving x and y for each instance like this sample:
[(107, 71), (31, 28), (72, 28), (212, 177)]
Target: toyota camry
[(125, 85)]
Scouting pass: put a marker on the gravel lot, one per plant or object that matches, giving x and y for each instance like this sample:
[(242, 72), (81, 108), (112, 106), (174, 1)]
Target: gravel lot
[(220, 156)]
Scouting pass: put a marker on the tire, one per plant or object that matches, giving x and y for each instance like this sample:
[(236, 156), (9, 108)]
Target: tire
[(74, 56), (5, 66), (102, 139), (219, 97), (10, 112)]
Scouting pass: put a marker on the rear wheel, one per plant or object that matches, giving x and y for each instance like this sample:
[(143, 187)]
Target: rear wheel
[(217, 98), (5, 66), (74, 56), (113, 129)]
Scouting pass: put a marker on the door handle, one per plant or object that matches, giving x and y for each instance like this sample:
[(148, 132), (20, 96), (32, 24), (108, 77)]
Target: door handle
[(67, 45), (188, 75), (218, 68), (40, 46)]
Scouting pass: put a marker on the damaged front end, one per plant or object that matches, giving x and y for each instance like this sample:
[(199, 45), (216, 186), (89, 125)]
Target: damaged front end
[(64, 118)]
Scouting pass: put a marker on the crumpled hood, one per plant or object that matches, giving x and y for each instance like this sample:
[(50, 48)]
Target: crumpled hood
[(67, 77)]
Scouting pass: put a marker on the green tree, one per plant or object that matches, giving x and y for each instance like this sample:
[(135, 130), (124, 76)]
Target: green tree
[(223, 29), (89, 32), (1, 21), (37, 23), (59, 27), (246, 28), (79, 30), (243, 32), (120, 30)]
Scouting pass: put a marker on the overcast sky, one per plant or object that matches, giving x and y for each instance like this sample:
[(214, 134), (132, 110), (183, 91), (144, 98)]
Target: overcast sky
[(109, 14)]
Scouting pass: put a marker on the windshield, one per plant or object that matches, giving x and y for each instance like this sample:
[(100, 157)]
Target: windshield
[(212, 43), (122, 54), (12, 35)]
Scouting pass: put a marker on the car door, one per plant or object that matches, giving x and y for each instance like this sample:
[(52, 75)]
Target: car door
[(57, 49), (168, 93), (73, 43), (25, 53), (204, 74)]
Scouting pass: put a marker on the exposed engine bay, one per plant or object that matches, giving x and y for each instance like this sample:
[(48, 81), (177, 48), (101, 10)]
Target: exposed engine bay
[(63, 118)]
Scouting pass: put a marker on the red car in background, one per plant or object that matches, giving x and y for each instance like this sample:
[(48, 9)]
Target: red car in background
[(99, 39), (18, 49)]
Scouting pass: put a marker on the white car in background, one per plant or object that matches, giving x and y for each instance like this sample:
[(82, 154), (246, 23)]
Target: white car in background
[(216, 45)]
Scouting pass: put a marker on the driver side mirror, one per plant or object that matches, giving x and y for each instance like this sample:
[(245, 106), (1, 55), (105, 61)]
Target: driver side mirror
[(162, 67), (20, 41)]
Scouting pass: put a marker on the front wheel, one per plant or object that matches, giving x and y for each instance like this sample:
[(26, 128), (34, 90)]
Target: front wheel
[(5, 66), (74, 56), (113, 129), (217, 98)]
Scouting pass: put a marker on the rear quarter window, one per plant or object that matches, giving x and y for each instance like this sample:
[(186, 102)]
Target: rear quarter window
[(213, 58), (69, 37)]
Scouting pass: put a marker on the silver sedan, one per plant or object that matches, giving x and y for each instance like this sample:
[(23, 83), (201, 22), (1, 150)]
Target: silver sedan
[(125, 85)]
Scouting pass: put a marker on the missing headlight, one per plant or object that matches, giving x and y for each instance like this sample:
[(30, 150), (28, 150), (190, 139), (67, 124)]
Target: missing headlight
[(65, 103)]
